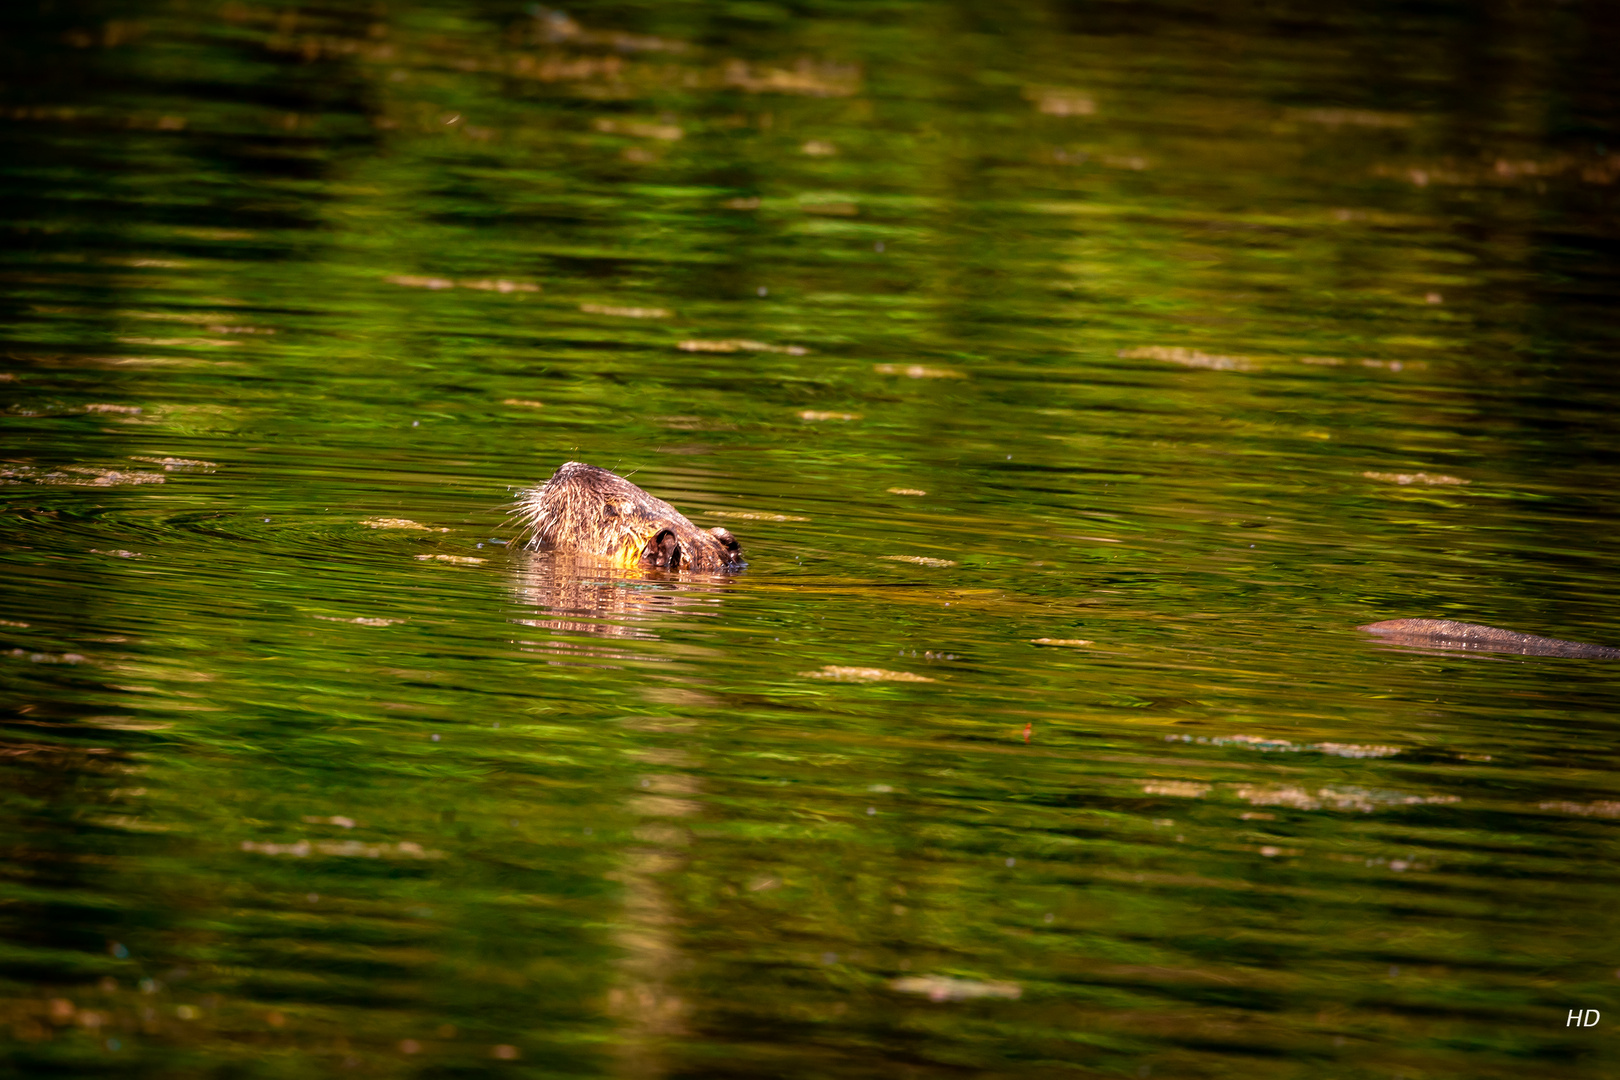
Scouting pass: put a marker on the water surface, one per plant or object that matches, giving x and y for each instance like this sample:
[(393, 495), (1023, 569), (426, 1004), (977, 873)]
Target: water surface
[(1077, 378)]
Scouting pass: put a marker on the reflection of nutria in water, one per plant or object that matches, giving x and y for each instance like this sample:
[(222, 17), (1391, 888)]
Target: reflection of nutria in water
[(1446, 634), (581, 596), (583, 510)]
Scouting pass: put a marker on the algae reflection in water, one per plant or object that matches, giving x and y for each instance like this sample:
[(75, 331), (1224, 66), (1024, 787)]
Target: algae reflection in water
[(1077, 377)]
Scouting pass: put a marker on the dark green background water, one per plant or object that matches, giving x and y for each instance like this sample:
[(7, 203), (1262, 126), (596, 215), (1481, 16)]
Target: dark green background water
[(1154, 307)]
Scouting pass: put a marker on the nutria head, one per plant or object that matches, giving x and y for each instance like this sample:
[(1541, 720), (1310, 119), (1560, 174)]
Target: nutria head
[(584, 510)]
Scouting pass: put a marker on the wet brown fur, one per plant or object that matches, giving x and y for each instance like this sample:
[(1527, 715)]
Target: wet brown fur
[(1446, 634), (584, 510)]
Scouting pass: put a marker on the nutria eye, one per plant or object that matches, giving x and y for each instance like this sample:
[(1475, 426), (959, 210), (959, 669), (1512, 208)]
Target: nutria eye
[(726, 539)]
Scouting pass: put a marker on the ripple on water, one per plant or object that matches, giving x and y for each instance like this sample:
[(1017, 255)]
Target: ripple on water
[(1072, 421)]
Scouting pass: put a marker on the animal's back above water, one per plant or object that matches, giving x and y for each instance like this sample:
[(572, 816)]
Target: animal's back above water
[(584, 510), (1446, 634)]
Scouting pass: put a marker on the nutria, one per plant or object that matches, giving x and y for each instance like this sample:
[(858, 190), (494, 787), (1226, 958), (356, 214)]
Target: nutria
[(1445, 634), (583, 510)]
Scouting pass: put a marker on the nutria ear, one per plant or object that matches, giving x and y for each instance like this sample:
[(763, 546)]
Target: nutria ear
[(662, 551), (727, 541)]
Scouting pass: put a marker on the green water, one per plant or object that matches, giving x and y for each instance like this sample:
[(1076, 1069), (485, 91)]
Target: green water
[(1193, 336)]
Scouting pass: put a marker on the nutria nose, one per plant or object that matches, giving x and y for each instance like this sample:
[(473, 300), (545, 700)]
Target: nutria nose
[(733, 554)]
